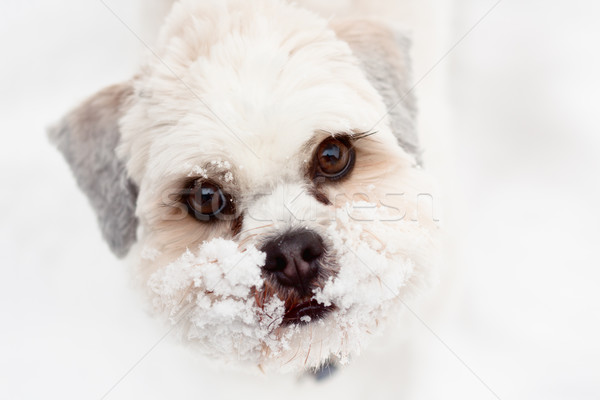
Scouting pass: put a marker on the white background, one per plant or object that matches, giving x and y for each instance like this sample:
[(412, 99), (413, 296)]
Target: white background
[(523, 98)]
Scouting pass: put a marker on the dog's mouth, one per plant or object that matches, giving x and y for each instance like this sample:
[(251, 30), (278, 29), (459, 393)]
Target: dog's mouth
[(306, 312)]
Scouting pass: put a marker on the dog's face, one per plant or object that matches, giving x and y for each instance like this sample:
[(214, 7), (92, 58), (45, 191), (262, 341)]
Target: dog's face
[(261, 180)]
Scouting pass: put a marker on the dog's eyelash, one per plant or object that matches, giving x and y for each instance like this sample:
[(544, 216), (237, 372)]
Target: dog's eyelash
[(358, 136), (172, 203), (177, 197), (362, 135), (174, 199)]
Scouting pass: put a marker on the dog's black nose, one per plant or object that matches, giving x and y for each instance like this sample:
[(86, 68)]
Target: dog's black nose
[(293, 258)]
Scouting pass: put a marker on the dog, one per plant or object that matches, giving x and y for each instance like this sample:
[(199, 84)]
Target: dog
[(263, 175)]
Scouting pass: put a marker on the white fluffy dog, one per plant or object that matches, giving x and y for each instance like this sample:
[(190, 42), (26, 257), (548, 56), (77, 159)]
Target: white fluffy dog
[(262, 172)]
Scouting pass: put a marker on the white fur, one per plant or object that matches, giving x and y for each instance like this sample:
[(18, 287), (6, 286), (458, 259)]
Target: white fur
[(241, 92)]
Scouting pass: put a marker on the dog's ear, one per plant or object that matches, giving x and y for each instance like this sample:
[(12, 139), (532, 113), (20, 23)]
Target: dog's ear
[(383, 54), (88, 137)]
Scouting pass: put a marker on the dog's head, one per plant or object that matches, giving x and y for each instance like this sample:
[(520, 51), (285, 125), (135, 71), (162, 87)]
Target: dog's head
[(262, 171)]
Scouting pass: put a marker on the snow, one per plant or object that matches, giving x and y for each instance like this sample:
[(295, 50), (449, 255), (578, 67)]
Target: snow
[(221, 164), (228, 177), (216, 281), (208, 294), (197, 170), (149, 253)]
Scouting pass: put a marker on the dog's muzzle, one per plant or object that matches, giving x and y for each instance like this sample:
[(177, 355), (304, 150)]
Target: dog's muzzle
[(293, 260)]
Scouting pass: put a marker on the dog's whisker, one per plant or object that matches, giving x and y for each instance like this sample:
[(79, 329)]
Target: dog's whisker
[(295, 354), (245, 241), (187, 291), (257, 227), (383, 245), (308, 352)]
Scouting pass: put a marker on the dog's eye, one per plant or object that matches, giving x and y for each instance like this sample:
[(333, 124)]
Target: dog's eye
[(334, 158), (206, 200)]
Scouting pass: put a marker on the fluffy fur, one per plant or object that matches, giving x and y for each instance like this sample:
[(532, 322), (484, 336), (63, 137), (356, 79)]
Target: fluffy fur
[(241, 93)]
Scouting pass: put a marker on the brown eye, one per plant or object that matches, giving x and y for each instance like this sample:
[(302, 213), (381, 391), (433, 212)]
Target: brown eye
[(334, 158), (205, 200)]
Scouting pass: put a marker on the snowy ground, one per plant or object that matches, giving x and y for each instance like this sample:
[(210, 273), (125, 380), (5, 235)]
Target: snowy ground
[(524, 93)]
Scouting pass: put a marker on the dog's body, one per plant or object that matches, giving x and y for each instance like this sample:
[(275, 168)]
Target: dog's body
[(263, 173)]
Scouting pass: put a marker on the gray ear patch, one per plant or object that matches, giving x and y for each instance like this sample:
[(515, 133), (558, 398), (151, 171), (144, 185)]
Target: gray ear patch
[(87, 138), (384, 57)]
